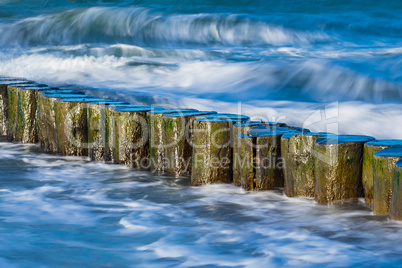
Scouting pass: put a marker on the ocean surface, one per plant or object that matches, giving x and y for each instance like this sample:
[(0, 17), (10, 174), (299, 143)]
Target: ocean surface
[(325, 65)]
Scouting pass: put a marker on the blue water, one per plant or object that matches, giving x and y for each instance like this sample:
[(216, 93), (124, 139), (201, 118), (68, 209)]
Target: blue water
[(329, 66)]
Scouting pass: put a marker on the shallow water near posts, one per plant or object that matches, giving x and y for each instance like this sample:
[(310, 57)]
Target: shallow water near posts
[(54, 208)]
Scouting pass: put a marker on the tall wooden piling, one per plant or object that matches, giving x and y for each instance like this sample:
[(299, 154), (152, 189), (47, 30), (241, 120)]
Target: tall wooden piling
[(72, 125), (396, 205), (212, 151), (177, 141), (156, 146), (299, 153), (339, 167), (46, 117), (370, 148), (384, 171)]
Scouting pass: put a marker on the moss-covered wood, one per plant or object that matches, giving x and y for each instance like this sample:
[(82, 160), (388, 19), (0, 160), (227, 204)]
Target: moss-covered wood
[(3, 110), (240, 128), (97, 129), (370, 149), (384, 171), (12, 112), (338, 167), (177, 140), (131, 138), (212, 152), (156, 147), (243, 165), (299, 155), (268, 162), (46, 119), (396, 205), (71, 127)]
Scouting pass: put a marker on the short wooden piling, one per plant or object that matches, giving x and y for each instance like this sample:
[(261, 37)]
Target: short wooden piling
[(243, 166), (339, 167), (132, 138), (268, 163), (384, 171), (242, 128), (46, 117), (4, 103), (97, 128), (110, 130), (396, 205), (299, 154), (177, 140), (370, 148), (212, 152), (156, 147), (72, 125), (22, 119)]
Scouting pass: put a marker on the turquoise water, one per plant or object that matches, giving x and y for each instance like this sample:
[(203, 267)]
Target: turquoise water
[(329, 66)]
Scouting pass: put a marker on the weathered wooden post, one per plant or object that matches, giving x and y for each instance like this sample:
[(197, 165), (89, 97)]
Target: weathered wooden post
[(243, 166), (396, 206), (177, 128), (212, 151), (268, 160), (339, 167), (72, 125), (299, 153), (384, 171), (22, 118), (46, 116), (370, 148), (132, 139), (4, 82), (242, 128), (97, 128), (110, 130), (156, 147)]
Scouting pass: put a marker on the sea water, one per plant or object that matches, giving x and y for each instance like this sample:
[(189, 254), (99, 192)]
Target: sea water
[(325, 65)]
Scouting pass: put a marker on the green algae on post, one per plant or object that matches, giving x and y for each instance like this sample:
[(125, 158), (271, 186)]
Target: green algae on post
[(72, 125), (46, 119), (22, 117), (97, 129), (156, 147), (3, 110), (243, 167), (212, 152), (268, 166), (339, 167), (132, 139), (396, 205), (370, 148), (384, 168), (299, 153), (177, 128), (110, 131)]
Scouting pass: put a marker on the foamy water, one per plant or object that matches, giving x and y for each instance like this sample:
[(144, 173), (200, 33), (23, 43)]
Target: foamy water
[(70, 212)]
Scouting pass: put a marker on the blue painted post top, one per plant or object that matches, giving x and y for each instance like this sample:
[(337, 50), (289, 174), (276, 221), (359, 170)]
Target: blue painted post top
[(385, 143), (343, 139), (164, 111), (67, 96), (197, 113), (395, 151)]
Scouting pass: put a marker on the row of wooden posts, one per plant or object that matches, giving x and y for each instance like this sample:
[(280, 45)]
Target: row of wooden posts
[(209, 147)]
